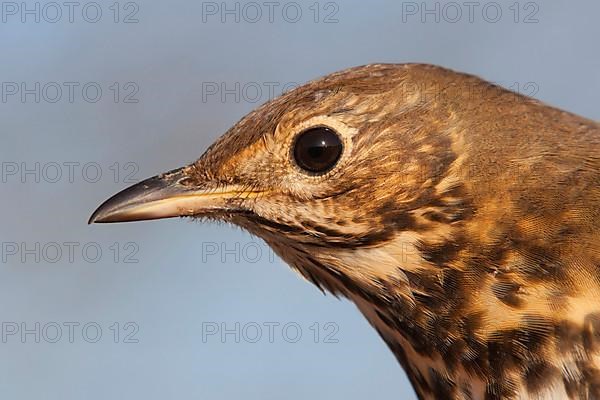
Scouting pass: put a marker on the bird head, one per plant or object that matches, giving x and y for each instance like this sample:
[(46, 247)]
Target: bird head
[(333, 166)]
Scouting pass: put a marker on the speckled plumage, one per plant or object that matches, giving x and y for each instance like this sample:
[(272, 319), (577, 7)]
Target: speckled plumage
[(462, 219)]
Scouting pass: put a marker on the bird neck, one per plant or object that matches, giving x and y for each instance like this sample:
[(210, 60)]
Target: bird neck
[(462, 333)]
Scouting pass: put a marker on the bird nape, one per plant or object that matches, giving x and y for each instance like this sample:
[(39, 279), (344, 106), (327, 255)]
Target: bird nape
[(461, 218)]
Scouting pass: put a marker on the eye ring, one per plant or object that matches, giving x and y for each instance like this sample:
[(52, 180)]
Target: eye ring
[(317, 150)]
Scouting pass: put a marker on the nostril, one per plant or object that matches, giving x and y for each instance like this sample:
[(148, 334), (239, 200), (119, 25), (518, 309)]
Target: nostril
[(185, 181)]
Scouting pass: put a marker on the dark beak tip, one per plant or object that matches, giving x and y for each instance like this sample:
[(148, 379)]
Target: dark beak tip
[(121, 206), (97, 217), (94, 218), (108, 210)]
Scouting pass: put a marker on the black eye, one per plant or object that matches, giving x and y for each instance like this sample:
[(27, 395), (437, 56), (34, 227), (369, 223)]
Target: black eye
[(317, 149)]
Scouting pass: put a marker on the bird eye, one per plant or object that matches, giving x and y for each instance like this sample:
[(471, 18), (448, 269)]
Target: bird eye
[(317, 150)]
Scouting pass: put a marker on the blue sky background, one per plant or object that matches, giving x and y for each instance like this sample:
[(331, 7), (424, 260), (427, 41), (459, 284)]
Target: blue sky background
[(186, 283)]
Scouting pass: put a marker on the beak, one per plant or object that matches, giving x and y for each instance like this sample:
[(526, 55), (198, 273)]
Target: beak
[(165, 196)]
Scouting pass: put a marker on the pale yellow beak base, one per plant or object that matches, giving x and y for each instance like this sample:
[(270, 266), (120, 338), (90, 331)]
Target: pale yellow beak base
[(162, 196)]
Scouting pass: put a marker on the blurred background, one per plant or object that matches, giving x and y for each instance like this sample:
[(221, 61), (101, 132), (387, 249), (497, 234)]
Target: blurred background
[(98, 95)]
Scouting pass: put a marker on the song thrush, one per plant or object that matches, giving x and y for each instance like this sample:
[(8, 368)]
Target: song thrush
[(461, 218)]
